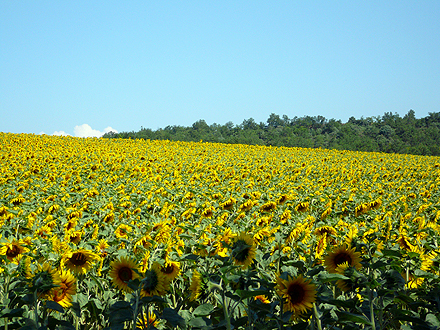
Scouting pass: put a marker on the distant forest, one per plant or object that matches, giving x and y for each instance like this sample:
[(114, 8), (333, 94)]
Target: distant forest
[(388, 133)]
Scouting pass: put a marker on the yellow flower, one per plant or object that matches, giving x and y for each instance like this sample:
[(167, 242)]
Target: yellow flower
[(154, 282), (196, 286), (79, 261), (13, 249), (122, 271), (344, 285), (342, 254), (66, 289), (101, 247), (145, 322), (298, 293), (262, 298), (170, 269), (243, 250), (45, 279), (122, 231)]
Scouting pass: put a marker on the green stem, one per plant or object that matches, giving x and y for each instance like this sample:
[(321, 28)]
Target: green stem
[(136, 307), (225, 311), (370, 296), (8, 280), (36, 308), (318, 320)]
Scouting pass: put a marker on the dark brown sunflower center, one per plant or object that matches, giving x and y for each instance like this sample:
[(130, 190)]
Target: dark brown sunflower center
[(12, 253), (125, 274), (78, 259), (168, 269), (342, 257), (296, 293)]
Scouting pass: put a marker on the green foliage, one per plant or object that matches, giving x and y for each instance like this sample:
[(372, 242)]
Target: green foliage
[(389, 133)]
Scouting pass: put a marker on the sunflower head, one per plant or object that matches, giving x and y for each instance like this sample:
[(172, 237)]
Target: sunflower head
[(66, 288), (298, 293), (170, 269), (243, 250), (13, 249), (154, 282), (340, 255), (196, 286), (344, 285), (45, 280), (79, 261), (145, 322), (122, 271)]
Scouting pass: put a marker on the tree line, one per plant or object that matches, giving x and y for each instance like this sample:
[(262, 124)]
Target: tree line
[(388, 133)]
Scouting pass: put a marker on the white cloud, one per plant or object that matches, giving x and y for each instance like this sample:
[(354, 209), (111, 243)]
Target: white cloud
[(61, 133), (85, 130)]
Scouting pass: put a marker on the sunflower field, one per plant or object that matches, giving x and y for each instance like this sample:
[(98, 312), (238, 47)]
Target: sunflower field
[(140, 234)]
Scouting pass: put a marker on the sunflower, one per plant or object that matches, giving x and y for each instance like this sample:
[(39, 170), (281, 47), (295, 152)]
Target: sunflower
[(24, 266), (122, 231), (154, 282), (262, 298), (344, 285), (325, 230), (79, 261), (13, 249), (170, 269), (146, 322), (122, 271), (196, 286), (342, 254), (101, 247), (66, 289), (298, 293), (45, 280), (243, 250)]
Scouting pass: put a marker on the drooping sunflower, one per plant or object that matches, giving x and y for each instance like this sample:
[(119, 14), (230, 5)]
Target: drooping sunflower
[(154, 282), (342, 254), (79, 261), (196, 286), (243, 250), (13, 249), (122, 271), (298, 293), (66, 289)]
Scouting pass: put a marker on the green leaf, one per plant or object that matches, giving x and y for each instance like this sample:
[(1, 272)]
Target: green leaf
[(199, 322), (356, 318), (342, 303), (76, 308), (16, 312), (433, 321), (392, 253), (152, 299), (82, 299), (247, 294), (173, 317), (203, 310), (300, 326), (328, 277), (120, 316), (55, 306), (379, 264)]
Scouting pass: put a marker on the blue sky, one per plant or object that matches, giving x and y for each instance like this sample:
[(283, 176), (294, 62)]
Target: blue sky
[(84, 67)]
